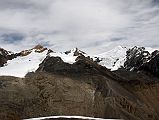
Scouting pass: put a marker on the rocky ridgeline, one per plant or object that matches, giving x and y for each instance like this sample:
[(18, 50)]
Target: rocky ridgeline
[(57, 65), (138, 59), (6, 55), (38, 49), (135, 58), (76, 52)]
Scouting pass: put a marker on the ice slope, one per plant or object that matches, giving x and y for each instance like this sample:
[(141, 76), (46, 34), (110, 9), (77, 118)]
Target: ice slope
[(68, 58), (114, 58)]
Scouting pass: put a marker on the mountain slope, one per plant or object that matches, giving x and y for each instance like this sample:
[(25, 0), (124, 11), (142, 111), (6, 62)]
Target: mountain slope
[(83, 88), (74, 84)]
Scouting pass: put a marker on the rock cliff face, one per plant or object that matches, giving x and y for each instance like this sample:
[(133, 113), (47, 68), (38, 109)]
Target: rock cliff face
[(6, 55), (152, 65), (83, 88), (138, 59), (135, 58)]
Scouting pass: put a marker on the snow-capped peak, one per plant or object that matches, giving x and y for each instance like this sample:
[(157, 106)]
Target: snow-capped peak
[(69, 56), (29, 60), (75, 52), (21, 65), (112, 59), (26, 61), (37, 49)]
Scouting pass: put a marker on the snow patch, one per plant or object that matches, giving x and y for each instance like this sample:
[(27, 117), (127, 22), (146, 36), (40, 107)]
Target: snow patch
[(68, 58)]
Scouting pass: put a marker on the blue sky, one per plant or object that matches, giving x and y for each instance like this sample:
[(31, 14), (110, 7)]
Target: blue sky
[(91, 25)]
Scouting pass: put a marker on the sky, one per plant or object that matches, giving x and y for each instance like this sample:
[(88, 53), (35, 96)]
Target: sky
[(94, 26)]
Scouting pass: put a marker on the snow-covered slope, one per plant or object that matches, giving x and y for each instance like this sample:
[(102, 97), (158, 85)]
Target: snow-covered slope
[(113, 59), (68, 58), (23, 64)]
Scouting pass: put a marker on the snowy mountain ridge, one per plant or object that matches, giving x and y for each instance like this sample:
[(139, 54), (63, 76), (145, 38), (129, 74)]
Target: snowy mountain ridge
[(29, 60)]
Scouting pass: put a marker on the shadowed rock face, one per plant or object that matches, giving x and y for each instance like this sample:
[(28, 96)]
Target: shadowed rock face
[(152, 66), (57, 65), (5, 56), (76, 52), (138, 59), (82, 89), (135, 58)]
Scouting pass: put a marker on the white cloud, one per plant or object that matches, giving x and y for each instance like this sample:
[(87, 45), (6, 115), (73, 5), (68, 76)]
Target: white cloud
[(92, 25)]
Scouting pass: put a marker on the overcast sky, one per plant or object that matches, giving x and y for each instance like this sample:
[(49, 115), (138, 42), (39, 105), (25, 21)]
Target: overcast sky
[(94, 26)]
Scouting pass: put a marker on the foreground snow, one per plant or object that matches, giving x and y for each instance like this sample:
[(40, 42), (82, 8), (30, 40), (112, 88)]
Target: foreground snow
[(77, 117)]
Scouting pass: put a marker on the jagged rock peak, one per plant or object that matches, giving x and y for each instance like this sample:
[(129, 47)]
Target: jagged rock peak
[(5, 56), (5, 52), (140, 60), (135, 57), (75, 52), (152, 64), (38, 49)]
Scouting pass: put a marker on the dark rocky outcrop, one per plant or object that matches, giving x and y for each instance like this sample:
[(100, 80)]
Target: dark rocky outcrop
[(6, 55), (57, 65), (135, 58), (152, 65), (37, 48), (140, 60), (75, 51)]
